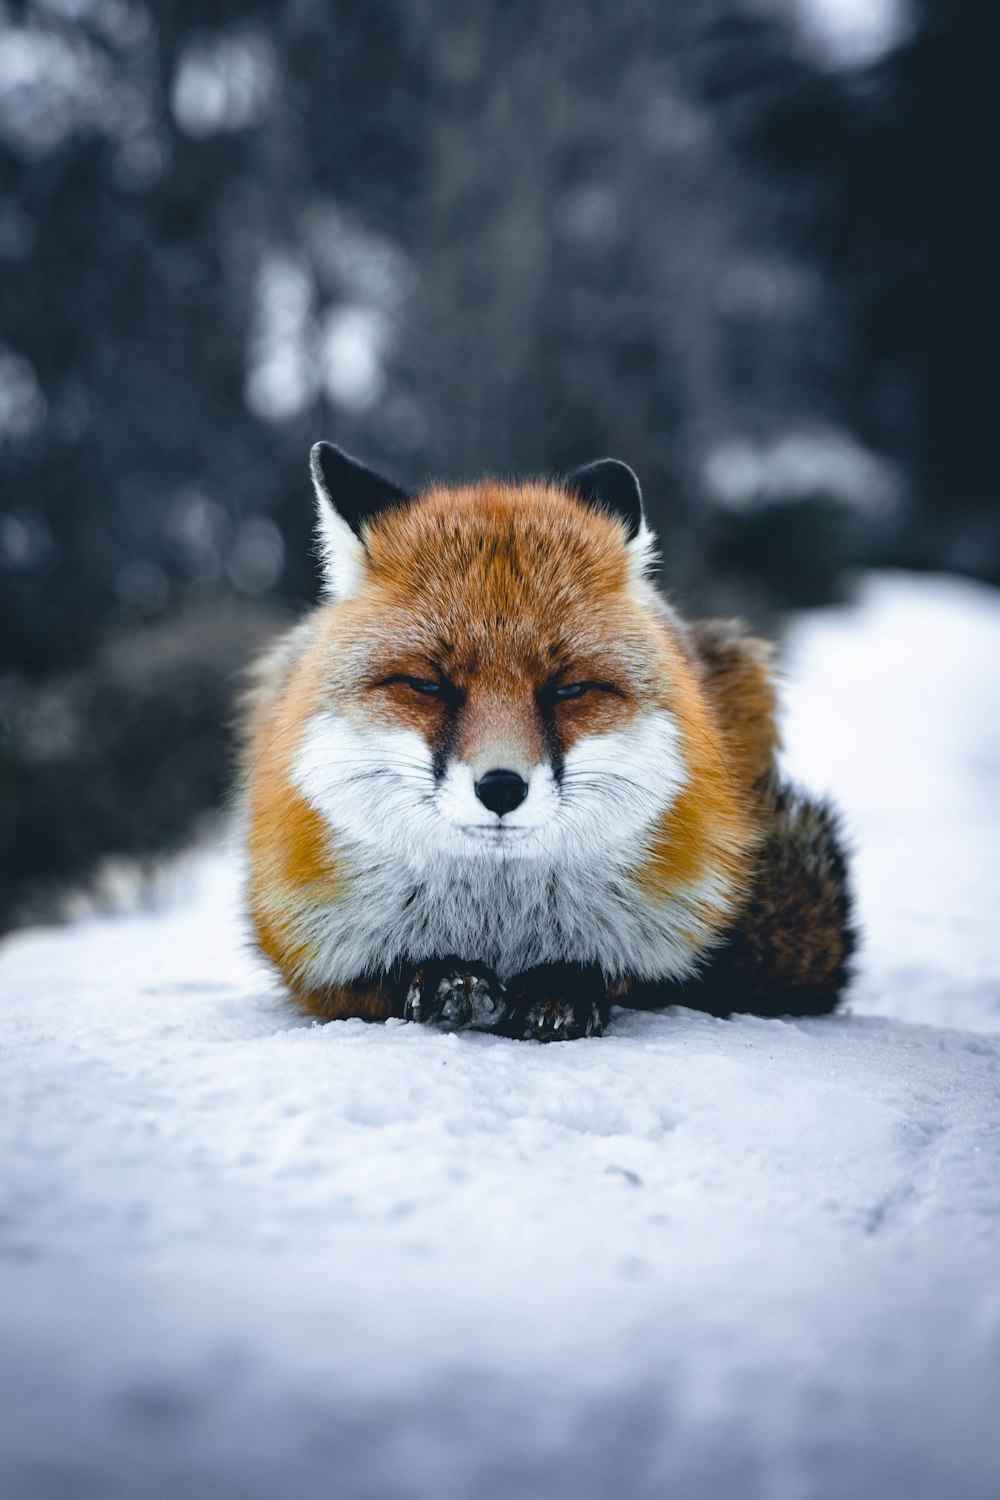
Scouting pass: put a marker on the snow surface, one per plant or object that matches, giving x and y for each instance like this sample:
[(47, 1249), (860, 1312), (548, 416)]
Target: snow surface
[(242, 1255), (854, 33)]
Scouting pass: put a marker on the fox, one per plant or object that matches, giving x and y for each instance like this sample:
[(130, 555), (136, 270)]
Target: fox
[(494, 780)]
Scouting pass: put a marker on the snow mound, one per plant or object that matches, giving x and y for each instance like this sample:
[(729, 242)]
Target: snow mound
[(245, 1256)]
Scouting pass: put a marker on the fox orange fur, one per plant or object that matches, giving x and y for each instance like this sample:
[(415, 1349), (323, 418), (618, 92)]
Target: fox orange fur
[(494, 780)]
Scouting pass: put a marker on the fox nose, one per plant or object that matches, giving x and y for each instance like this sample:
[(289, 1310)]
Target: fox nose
[(501, 791)]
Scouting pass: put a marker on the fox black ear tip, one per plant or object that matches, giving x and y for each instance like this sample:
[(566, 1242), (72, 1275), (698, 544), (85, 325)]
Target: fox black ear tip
[(322, 453), (356, 492), (611, 485)]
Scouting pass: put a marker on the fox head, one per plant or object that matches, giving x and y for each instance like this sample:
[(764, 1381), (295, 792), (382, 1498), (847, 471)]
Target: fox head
[(494, 738), (491, 673)]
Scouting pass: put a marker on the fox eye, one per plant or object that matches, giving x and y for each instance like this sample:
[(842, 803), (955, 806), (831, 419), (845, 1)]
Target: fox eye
[(424, 685), (418, 684), (577, 689)]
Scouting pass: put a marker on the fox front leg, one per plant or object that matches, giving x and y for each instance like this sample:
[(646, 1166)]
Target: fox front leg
[(452, 993), (557, 1003)]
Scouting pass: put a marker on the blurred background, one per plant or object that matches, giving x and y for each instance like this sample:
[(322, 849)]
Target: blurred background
[(749, 246)]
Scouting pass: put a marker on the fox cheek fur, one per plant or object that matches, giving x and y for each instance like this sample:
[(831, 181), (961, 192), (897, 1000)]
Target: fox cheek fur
[(494, 749)]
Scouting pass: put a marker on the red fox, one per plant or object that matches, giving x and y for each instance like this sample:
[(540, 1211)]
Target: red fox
[(494, 781)]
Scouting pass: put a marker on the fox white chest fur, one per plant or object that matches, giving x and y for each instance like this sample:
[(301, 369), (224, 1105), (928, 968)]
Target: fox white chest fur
[(429, 870)]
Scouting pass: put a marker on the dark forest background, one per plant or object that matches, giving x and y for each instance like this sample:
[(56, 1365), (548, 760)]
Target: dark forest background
[(750, 252)]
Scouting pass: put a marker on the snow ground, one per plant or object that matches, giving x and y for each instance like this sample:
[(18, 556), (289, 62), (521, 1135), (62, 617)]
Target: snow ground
[(246, 1256)]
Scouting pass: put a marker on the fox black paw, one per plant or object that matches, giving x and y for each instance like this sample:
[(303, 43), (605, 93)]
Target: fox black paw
[(451, 994), (561, 1021), (557, 1003)]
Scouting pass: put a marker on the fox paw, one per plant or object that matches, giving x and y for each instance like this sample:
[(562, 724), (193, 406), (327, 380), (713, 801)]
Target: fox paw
[(452, 994), (557, 1003), (561, 1021)]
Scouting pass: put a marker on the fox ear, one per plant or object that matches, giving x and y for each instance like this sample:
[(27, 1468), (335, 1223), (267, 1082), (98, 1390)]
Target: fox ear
[(611, 486), (347, 495)]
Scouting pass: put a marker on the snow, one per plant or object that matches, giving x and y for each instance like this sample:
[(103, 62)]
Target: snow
[(23, 407), (741, 475), (242, 1255), (226, 80), (854, 33)]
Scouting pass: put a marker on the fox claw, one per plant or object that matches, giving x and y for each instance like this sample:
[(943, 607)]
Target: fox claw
[(557, 1003), (561, 1021), (454, 998)]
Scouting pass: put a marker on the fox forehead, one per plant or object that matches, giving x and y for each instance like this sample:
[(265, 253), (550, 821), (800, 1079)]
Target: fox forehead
[(497, 579), (508, 542), (497, 558)]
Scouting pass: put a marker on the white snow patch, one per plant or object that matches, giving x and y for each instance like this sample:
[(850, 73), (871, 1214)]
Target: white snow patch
[(894, 711), (70, 67), (854, 33), (742, 475), (243, 1255), (23, 407), (354, 263), (226, 80), (282, 378), (297, 351), (51, 85), (353, 344)]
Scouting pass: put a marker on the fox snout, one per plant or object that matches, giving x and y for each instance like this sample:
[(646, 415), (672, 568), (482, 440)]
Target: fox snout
[(500, 741)]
